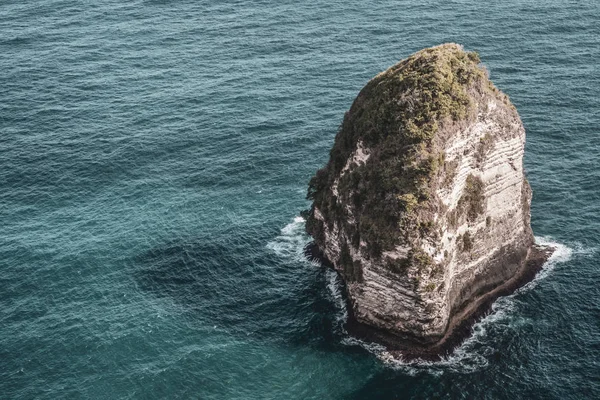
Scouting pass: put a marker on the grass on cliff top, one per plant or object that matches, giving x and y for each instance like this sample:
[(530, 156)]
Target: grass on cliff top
[(407, 102), (396, 115)]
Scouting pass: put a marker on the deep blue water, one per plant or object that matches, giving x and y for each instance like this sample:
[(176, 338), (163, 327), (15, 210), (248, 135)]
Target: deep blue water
[(154, 157)]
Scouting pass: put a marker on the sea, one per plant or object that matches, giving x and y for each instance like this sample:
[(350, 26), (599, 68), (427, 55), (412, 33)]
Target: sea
[(154, 161)]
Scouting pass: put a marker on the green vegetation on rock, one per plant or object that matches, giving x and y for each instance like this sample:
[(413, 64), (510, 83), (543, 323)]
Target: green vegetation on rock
[(352, 268), (397, 116), (472, 200), (486, 143), (466, 242)]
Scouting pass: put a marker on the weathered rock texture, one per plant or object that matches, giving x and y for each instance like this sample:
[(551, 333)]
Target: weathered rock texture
[(423, 207)]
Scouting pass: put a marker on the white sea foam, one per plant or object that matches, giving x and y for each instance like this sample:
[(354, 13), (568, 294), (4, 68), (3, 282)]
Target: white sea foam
[(290, 243), (291, 240), (473, 354), (561, 254), (334, 286)]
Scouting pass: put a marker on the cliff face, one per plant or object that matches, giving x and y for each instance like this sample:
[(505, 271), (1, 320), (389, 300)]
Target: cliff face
[(423, 207)]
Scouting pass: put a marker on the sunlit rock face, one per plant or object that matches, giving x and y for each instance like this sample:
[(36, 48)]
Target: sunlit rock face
[(423, 207)]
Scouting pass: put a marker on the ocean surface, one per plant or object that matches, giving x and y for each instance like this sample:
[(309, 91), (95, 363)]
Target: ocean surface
[(154, 159)]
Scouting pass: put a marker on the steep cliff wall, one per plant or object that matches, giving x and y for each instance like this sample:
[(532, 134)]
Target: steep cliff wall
[(424, 207)]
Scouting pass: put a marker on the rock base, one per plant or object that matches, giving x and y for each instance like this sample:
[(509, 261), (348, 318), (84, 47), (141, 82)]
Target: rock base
[(460, 327)]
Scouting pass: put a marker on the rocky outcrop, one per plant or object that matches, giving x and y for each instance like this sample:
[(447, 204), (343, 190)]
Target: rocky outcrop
[(423, 207)]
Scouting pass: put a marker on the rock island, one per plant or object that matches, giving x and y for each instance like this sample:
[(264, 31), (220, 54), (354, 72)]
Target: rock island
[(423, 207)]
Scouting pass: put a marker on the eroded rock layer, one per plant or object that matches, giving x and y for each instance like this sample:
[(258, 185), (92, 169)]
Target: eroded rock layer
[(423, 207)]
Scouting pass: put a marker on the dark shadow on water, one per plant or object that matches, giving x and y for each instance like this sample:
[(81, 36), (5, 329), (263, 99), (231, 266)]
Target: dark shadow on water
[(483, 384), (233, 282)]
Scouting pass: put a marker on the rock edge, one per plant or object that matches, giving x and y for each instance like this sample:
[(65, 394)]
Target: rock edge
[(461, 324), (424, 208)]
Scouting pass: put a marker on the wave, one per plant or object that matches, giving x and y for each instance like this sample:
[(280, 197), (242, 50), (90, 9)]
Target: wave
[(474, 353), (291, 241), (334, 288), (562, 253)]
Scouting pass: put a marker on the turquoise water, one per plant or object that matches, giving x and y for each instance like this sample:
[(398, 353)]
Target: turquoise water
[(154, 157)]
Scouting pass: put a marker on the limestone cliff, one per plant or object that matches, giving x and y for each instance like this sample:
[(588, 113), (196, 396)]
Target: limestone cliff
[(423, 207)]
